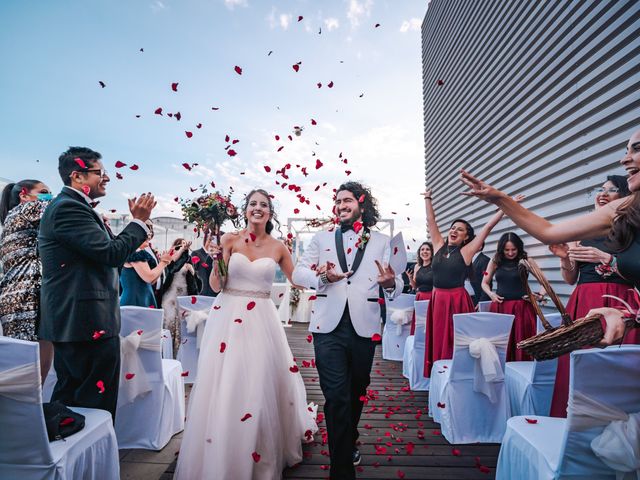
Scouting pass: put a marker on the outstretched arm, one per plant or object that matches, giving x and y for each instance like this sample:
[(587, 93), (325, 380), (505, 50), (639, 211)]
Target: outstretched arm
[(304, 273), (432, 225), (591, 225)]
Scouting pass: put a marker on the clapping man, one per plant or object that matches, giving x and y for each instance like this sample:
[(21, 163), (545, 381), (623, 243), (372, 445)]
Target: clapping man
[(80, 260)]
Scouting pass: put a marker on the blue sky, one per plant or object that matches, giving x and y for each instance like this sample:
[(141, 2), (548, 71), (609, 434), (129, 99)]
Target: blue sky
[(55, 53)]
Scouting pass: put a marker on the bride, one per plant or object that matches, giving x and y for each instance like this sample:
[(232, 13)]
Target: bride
[(247, 411)]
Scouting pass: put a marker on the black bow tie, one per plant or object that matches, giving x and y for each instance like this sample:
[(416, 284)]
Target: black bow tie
[(94, 204), (345, 228)]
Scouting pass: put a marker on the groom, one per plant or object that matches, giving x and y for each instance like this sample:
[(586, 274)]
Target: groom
[(348, 268)]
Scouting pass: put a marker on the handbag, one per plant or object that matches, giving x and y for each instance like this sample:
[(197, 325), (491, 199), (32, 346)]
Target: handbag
[(61, 422)]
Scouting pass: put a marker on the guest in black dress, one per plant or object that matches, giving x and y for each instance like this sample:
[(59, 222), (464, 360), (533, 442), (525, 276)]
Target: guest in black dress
[(421, 277), (21, 209), (510, 295), (451, 264)]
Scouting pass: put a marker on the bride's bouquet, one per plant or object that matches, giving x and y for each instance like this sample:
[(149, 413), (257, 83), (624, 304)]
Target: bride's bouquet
[(209, 211)]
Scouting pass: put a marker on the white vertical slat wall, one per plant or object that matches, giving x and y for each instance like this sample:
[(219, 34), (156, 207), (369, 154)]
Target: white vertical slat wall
[(539, 98)]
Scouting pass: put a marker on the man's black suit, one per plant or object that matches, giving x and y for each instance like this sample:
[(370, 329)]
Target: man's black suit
[(479, 266), (79, 299)]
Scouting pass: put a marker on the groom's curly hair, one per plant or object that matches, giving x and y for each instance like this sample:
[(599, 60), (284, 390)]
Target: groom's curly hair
[(369, 205)]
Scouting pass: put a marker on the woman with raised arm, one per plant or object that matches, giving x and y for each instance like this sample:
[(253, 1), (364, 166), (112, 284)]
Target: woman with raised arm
[(618, 219), (421, 277), (247, 411), (510, 294), (451, 262)]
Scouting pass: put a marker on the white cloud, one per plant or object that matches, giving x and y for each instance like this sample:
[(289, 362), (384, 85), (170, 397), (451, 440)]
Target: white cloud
[(157, 6), (331, 23), (413, 24), (285, 20), (357, 10), (231, 4)]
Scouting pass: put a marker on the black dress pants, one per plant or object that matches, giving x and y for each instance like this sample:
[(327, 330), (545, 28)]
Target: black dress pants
[(80, 366), (344, 360)]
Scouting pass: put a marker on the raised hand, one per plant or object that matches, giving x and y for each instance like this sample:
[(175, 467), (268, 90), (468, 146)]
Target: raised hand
[(427, 194), (333, 275), (386, 277), (412, 282), (141, 208), (560, 250), (480, 189), (166, 257), (588, 255)]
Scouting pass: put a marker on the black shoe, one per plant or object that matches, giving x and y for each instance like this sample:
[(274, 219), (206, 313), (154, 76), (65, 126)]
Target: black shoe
[(356, 457)]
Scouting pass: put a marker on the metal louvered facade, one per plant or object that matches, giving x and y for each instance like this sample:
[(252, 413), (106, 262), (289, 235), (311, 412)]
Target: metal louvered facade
[(538, 98)]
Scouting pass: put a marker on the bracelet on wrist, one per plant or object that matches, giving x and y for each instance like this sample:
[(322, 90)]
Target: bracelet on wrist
[(428, 198)]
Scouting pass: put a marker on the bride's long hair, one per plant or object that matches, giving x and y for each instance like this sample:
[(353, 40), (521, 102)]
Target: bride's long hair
[(274, 218)]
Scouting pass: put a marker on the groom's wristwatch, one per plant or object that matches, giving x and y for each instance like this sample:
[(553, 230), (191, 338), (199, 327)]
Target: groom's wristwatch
[(390, 290), (324, 279)]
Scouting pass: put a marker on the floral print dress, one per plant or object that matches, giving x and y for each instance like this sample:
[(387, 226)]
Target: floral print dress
[(22, 271)]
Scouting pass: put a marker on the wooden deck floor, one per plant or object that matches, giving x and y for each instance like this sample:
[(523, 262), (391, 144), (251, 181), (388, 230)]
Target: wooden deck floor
[(398, 438)]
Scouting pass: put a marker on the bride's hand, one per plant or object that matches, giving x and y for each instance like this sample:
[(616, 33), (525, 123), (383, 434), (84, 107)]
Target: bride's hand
[(480, 189)]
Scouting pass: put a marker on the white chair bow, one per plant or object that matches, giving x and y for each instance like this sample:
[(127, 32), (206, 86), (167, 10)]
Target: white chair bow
[(20, 383), (195, 321), (131, 364), (488, 369), (400, 317), (618, 446)]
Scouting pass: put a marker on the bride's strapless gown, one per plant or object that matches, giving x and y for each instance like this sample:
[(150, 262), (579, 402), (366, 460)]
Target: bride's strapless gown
[(248, 412)]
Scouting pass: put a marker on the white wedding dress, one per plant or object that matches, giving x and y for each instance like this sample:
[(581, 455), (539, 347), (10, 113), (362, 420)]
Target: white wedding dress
[(248, 412)]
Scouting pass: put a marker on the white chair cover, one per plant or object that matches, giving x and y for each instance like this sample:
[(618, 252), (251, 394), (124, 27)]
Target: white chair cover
[(530, 384), (414, 348), (152, 418), (394, 335), (166, 343), (133, 377), (600, 438), (25, 451), (484, 306), (189, 349), (468, 399)]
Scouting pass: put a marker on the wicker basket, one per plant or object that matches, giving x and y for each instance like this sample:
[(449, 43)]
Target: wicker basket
[(556, 341)]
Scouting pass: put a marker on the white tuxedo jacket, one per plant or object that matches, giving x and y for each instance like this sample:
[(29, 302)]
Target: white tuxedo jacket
[(360, 290)]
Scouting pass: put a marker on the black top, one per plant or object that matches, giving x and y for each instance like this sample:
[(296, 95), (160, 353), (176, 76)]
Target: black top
[(629, 262), (424, 279), (510, 286), (478, 268), (449, 272), (588, 272), (203, 270)]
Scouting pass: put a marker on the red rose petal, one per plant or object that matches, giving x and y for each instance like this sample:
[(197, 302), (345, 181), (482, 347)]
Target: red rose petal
[(318, 164), (309, 338), (294, 369), (134, 167), (252, 236), (246, 417), (484, 469), (267, 168), (395, 250), (185, 374), (158, 111), (296, 67), (195, 259), (193, 300), (313, 122), (440, 83), (66, 421), (187, 166), (441, 405), (238, 70), (455, 452), (238, 320), (300, 17), (97, 334), (216, 307), (531, 420), (223, 347), (199, 125), (250, 305), (174, 86), (119, 164), (231, 152), (330, 84), (188, 134), (102, 84), (100, 385), (381, 301), (319, 85), (400, 474), (80, 162), (129, 376), (376, 337), (256, 457)]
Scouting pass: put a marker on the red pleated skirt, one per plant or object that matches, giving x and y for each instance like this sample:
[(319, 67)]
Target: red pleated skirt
[(585, 297), (445, 302), (419, 296), (524, 325)]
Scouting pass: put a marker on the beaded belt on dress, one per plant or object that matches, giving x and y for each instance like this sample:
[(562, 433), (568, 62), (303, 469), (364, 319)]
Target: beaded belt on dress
[(246, 293)]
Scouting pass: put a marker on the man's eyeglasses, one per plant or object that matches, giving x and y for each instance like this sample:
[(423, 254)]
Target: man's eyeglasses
[(606, 190), (99, 171)]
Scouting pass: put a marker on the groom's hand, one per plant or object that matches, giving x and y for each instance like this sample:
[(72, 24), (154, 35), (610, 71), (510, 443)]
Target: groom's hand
[(386, 277), (332, 274)]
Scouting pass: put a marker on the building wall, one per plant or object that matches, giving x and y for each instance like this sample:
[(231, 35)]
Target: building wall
[(539, 98)]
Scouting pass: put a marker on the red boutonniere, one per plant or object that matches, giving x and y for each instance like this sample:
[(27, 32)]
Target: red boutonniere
[(364, 234)]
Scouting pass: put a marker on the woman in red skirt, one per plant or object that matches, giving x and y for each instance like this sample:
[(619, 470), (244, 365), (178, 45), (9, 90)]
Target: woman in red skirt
[(510, 293), (451, 262), (585, 262), (421, 277)]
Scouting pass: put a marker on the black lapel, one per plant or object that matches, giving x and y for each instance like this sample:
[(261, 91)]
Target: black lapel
[(342, 259), (70, 192)]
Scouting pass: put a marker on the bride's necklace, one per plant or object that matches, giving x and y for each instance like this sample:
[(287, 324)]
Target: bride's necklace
[(449, 251)]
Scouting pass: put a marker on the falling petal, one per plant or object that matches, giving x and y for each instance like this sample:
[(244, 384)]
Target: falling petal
[(119, 164), (174, 86), (238, 70), (188, 134)]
